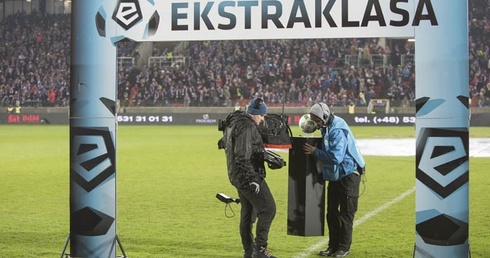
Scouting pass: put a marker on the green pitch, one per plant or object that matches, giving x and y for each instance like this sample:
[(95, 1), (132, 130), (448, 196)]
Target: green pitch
[(167, 179)]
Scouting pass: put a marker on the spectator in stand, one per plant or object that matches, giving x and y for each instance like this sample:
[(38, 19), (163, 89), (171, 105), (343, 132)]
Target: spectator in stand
[(35, 49)]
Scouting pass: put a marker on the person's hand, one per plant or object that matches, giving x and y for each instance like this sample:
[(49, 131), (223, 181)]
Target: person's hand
[(308, 148), (255, 187)]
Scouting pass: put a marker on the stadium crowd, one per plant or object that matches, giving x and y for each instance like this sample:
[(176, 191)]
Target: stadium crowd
[(35, 68)]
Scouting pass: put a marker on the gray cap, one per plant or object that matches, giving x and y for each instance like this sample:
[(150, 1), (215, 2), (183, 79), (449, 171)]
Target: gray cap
[(320, 110)]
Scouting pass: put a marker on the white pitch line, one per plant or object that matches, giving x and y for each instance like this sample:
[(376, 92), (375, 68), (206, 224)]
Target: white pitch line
[(358, 222)]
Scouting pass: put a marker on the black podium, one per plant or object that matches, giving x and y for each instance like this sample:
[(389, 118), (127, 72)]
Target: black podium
[(306, 191)]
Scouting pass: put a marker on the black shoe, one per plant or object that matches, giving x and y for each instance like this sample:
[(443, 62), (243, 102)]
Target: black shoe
[(340, 254), (327, 252), (263, 252), (249, 253)]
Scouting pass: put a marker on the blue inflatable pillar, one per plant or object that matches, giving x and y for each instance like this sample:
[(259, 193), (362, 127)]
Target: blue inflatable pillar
[(442, 123), (92, 134)]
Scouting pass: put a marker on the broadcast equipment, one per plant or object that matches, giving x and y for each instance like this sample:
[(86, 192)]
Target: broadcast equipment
[(226, 199), (274, 161)]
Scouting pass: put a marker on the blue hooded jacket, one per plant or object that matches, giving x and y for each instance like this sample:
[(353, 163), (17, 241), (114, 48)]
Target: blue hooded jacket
[(339, 155)]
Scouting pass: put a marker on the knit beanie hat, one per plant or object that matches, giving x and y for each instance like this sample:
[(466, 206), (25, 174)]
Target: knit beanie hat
[(320, 110), (257, 106)]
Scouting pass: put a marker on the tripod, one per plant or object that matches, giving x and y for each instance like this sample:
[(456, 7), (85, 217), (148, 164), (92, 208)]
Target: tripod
[(116, 241)]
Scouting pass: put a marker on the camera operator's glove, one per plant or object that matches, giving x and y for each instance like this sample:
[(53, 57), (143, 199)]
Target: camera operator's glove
[(255, 187)]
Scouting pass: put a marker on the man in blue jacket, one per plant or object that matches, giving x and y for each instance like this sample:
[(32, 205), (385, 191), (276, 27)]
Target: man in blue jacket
[(341, 163)]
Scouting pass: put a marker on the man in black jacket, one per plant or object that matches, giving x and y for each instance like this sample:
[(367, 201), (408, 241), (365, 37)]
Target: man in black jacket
[(245, 162)]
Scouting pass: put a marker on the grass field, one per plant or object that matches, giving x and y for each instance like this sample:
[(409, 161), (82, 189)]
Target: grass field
[(167, 179)]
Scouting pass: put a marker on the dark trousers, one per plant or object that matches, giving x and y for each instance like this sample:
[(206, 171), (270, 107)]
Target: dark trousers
[(342, 199), (264, 206)]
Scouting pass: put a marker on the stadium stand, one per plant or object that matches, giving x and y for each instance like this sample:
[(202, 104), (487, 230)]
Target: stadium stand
[(35, 68)]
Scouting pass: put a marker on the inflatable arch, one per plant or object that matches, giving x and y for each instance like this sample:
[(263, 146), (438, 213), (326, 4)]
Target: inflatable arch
[(440, 28)]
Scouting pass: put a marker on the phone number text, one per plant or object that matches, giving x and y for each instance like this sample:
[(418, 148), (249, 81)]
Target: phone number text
[(144, 119), (385, 120)]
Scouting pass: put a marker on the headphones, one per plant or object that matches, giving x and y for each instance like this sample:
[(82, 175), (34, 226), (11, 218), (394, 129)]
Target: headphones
[(257, 103), (327, 118), (330, 119)]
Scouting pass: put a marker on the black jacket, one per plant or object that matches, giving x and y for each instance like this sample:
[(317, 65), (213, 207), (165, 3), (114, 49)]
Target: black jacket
[(244, 151)]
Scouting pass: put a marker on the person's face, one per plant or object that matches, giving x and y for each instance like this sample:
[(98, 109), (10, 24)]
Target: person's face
[(318, 121), (258, 118)]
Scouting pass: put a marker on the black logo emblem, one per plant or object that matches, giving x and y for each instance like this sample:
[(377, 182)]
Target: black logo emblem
[(127, 13), (92, 156), (441, 158)]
